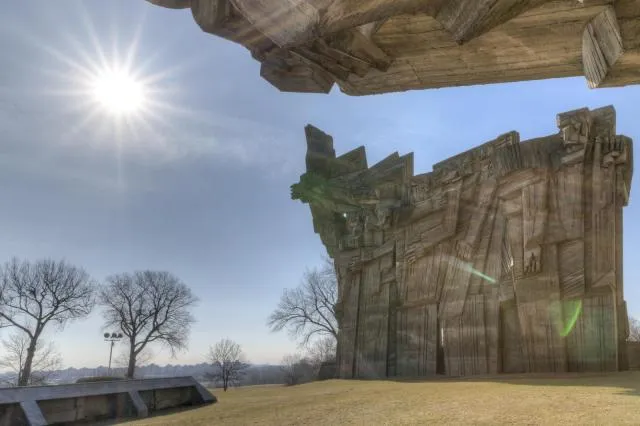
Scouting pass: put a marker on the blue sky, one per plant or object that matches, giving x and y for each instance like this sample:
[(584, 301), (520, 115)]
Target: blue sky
[(203, 189)]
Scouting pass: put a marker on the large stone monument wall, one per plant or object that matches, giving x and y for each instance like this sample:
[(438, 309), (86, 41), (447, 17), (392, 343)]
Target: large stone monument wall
[(506, 258)]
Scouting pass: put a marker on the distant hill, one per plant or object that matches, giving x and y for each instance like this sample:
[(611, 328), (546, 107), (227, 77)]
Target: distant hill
[(259, 374)]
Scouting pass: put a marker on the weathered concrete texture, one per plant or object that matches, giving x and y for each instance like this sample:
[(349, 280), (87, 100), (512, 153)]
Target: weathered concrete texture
[(633, 351), (505, 258), (378, 46), (43, 405), (328, 370)]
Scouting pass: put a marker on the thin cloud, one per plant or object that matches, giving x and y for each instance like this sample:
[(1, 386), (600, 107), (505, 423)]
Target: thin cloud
[(236, 141)]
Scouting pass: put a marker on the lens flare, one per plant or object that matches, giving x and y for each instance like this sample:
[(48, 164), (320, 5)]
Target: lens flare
[(467, 267), (565, 315), (573, 308)]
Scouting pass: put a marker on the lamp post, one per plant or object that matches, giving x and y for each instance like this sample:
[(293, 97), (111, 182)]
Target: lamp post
[(112, 338)]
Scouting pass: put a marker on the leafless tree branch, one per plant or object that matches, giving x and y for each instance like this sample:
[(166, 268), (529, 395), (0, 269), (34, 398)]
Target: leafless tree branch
[(309, 309), (296, 369), (322, 350), (228, 363), (36, 294), (45, 360), (634, 330), (148, 307), (121, 361)]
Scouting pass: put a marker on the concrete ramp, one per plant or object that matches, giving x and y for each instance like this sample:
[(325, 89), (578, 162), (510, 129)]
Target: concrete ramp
[(82, 402)]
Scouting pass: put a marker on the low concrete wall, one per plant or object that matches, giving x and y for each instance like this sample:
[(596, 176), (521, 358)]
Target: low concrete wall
[(44, 405), (12, 415), (99, 407), (161, 399)]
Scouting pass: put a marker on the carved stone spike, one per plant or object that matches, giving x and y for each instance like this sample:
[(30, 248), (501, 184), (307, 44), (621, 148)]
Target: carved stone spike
[(485, 199), (447, 272)]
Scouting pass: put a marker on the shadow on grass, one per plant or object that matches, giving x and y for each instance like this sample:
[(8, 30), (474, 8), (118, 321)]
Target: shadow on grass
[(627, 381)]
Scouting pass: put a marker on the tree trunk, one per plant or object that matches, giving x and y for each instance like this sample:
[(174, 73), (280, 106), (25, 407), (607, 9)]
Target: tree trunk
[(132, 362), (25, 373)]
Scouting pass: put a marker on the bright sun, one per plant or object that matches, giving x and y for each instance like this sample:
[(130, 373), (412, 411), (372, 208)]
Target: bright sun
[(119, 92)]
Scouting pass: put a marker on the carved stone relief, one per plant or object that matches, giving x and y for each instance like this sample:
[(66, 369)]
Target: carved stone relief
[(499, 260)]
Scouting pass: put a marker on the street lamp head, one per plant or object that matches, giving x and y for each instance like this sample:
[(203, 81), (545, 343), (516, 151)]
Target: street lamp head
[(114, 335), (106, 335), (119, 335)]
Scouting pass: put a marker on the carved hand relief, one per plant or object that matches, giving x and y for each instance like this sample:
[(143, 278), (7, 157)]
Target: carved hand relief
[(612, 149), (484, 256)]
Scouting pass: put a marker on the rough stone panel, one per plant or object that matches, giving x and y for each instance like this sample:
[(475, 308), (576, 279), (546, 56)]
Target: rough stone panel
[(417, 341), (465, 342), (349, 326), (633, 354), (511, 354), (567, 200), (492, 323), (591, 343), (371, 359), (571, 265), (538, 300)]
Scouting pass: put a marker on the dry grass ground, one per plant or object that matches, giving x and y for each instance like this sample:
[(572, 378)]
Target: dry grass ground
[(612, 399)]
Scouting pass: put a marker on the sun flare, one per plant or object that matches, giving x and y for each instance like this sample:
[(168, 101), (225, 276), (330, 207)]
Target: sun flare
[(119, 92)]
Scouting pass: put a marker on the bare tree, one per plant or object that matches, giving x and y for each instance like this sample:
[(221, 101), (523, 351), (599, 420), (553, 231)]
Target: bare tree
[(148, 307), (296, 369), (308, 310), (121, 362), (34, 295), (634, 330), (322, 350), (45, 360), (228, 363)]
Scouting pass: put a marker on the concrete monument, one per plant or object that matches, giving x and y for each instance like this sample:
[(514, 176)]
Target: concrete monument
[(506, 258), (378, 46)]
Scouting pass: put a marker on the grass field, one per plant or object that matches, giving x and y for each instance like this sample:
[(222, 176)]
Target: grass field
[(612, 399)]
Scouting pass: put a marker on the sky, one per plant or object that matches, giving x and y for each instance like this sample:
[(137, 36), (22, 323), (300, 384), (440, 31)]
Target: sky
[(200, 185)]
